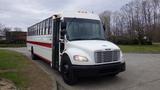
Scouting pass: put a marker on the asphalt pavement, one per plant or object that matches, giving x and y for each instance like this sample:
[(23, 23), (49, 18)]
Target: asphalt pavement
[(142, 73)]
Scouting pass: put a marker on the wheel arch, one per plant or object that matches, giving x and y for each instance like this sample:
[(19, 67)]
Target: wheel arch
[(64, 56), (63, 59), (32, 49)]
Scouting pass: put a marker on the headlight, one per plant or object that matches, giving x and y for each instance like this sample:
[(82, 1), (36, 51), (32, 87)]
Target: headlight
[(80, 58)]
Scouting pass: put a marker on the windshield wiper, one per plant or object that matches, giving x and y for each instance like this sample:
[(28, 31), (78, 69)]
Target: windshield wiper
[(96, 39), (78, 39), (87, 39)]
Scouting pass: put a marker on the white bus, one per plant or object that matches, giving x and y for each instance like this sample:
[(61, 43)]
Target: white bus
[(75, 45)]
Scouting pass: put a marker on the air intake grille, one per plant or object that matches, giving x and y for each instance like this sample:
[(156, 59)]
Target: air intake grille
[(107, 56)]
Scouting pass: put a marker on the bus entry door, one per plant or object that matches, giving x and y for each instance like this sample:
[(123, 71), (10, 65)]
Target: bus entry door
[(55, 43)]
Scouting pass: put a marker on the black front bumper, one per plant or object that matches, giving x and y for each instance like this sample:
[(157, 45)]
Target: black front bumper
[(98, 70)]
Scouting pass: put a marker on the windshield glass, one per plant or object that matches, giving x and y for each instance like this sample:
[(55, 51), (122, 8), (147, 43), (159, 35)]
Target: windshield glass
[(84, 29)]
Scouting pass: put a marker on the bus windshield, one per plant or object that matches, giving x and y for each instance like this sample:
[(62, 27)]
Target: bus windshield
[(84, 29)]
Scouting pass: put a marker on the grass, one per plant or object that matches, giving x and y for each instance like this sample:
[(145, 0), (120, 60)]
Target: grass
[(20, 81), (155, 48), (12, 45), (23, 72), (11, 65)]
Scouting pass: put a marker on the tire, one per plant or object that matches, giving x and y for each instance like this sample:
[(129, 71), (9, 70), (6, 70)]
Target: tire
[(33, 56), (67, 72)]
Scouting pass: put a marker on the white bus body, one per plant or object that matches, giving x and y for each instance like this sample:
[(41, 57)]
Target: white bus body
[(74, 44)]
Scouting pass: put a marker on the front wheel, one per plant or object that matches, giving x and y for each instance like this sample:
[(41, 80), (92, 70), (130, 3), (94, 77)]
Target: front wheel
[(113, 74), (67, 73)]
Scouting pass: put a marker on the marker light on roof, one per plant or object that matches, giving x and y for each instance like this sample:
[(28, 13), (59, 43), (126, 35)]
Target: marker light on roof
[(82, 11)]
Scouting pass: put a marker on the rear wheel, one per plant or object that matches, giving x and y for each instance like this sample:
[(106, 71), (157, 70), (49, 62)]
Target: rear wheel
[(67, 72), (33, 56)]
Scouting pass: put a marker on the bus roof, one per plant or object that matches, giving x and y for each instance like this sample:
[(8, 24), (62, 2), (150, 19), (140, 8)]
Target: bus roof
[(79, 14)]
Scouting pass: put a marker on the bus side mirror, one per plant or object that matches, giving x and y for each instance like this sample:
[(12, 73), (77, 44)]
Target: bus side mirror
[(104, 28), (63, 25), (63, 28), (63, 32)]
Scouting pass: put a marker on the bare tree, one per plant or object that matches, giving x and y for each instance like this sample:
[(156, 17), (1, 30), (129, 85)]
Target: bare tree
[(4, 29), (106, 20), (139, 19)]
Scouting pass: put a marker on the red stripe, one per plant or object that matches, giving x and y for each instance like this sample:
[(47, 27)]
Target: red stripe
[(48, 61), (49, 45)]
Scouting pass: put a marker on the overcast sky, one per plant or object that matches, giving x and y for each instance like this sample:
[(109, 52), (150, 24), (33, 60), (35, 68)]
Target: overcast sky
[(23, 13)]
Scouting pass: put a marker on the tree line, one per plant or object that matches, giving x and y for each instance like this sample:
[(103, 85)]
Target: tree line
[(137, 22), (4, 29)]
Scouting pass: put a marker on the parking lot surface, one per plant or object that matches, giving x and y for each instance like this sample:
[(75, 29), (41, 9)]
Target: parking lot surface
[(142, 73)]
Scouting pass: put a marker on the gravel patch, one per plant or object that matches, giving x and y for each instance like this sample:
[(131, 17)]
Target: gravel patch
[(6, 85)]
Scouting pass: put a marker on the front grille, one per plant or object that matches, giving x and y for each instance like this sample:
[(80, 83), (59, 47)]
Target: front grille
[(107, 56)]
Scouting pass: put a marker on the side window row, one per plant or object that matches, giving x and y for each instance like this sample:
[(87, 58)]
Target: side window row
[(43, 28)]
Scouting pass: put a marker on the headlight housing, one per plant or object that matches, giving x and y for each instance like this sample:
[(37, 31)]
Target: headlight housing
[(121, 54), (80, 58), (121, 57)]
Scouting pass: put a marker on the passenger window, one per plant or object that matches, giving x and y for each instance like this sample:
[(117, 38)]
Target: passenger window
[(44, 28), (35, 30), (51, 29), (41, 28), (47, 26)]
